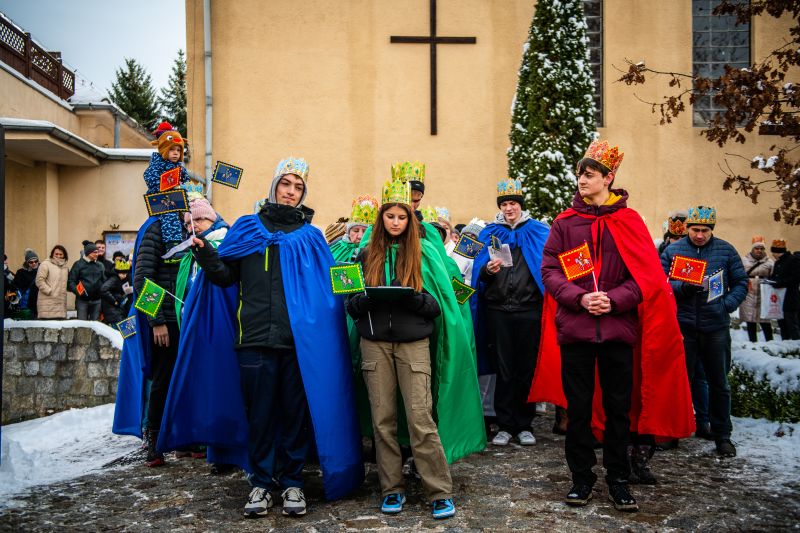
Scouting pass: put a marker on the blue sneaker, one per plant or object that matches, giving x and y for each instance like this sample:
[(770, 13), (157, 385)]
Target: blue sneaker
[(443, 508), (393, 503)]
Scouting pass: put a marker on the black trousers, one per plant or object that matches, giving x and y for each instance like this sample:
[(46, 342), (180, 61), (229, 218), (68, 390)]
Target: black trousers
[(614, 362), (516, 339), (277, 413), (162, 363), (790, 324), (752, 331)]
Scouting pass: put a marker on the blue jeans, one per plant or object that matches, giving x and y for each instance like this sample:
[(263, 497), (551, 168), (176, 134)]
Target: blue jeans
[(713, 350), (700, 395), (277, 413)]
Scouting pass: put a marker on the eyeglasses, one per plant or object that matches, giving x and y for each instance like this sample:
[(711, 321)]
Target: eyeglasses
[(33, 261)]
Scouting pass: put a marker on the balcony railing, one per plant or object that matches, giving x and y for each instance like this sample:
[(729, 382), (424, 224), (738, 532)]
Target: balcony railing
[(20, 52)]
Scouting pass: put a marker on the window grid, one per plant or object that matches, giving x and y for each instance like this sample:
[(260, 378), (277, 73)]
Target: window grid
[(716, 42), (593, 11)]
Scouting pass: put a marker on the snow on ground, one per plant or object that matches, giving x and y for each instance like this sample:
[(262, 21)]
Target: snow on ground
[(106, 331), (58, 447), (768, 360), (757, 444)]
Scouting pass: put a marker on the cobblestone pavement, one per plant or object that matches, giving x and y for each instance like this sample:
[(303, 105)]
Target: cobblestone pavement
[(500, 489)]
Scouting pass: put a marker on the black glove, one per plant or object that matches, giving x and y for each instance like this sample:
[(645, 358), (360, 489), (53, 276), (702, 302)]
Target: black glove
[(690, 289), (414, 302), (359, 304)]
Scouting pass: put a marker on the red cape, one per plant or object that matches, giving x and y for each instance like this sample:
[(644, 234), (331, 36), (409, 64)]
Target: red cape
[(661, 402)]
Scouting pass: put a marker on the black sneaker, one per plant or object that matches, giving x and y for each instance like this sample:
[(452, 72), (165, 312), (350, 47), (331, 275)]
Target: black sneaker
[(725, 448), (621, 498), (578, 495)]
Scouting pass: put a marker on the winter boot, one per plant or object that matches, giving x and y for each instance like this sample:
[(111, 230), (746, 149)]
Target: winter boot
[(154, 458), (560, 425), (641, 455), (633, 477)]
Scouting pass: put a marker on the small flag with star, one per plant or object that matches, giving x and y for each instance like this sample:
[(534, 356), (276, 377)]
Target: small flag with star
[(462, 290), (495, 243), (170, 179), (171, 201), (127, 327), (577, 262), (347, 279), (687, 269), (227, 174), (150, 299), (467, 247)]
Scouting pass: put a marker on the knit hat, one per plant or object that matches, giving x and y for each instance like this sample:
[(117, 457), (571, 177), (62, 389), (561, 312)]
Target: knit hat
[(89, 247), (30, 254), (778, 246), (167, 137), (200, 208), (758, 241), (335, 230), (475, 227)]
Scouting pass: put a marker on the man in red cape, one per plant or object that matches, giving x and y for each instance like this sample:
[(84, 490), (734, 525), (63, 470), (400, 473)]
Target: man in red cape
[(614, 327)]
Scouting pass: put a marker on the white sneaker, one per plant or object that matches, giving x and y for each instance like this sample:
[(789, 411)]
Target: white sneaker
[(526, 438), (294, 502), (258, 503), (502, 438)]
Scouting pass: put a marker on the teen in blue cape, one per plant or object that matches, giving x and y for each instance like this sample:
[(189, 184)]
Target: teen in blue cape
[(508, 312), (134, 365), (275, 333)]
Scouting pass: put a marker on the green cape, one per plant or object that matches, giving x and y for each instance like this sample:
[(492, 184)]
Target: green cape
[(184, 271), (343, 251)]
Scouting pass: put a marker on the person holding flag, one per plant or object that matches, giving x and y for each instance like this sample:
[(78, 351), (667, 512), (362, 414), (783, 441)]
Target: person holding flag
[(608, 311), (265, 360), (362, 216), (705, 317), (508, 309)]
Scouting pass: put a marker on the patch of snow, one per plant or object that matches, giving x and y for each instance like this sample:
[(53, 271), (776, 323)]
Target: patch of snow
[(106, 331), (58, 447), (782, 373), (758, 445)]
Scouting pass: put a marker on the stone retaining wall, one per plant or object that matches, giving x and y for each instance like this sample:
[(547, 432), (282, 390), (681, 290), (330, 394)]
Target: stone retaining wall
[(47, 370)]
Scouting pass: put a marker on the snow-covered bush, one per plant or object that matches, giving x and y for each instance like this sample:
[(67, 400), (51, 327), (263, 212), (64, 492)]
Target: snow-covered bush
[(553, 111), (765, 380)]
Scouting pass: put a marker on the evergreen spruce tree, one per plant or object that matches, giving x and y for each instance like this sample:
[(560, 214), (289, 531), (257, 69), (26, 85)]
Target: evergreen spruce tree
[(173, 96), (553, 112), (133, 92)]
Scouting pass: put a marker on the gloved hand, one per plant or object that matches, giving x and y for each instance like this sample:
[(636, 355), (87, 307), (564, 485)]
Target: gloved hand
[(690, 289), (414, 301), (359, 304)]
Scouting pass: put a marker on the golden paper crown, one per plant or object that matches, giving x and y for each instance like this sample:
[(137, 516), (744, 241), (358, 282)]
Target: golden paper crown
[(676, 227), (408, 171), (759, 239), (509, 187), (396, 192), (292, 165), (779, 243), (365, 210), (608, 156), (443, 212), (121, 266), (702, 215), (429, 214)]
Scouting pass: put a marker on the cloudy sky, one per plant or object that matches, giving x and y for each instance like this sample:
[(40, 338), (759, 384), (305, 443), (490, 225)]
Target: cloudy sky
[(95, 36)]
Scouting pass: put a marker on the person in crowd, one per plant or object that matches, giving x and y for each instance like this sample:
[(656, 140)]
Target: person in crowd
[(472, 230), (333, 232), (609, 316), (85, 279), (362, 216), (115, 293), (786, 274), (291, 346), (25, 281), (704, 321), (108, 266), (51, 280), (509, 306), (758, 267), (11, 295), (396, 352), (674, 229)]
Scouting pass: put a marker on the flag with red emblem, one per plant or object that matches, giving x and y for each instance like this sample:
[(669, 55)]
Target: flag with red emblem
[(170, 179), (577, 262), (687, 269)]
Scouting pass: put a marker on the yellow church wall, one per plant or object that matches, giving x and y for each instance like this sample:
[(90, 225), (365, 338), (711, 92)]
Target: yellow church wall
[(97, 127), (320, 79), (25, 211), (19, 100)]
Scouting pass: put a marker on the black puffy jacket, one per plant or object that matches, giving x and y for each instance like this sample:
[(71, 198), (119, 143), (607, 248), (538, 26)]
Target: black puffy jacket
[(149, 264), (91, 274), (786, 273), (115, 302), (407, 320), (512, 288), (263, 316)]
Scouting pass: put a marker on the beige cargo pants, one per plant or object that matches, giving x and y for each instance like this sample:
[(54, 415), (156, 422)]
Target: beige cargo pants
[(385, 365)]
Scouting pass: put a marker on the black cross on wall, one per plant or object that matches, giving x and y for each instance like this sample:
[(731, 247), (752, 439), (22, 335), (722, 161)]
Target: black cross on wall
[(432, 40)]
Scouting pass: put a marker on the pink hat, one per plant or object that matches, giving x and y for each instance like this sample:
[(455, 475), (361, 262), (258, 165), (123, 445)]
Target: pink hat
[(200, 208)]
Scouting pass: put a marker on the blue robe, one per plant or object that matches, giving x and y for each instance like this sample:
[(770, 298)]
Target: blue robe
[(205, 404), (531, 238), (134, 365)]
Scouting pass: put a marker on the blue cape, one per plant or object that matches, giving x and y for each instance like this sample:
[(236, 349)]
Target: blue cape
[(205, 404), (531, 237), (134, 364)]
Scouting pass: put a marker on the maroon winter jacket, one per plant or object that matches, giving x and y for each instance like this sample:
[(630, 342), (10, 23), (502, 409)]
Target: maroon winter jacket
[(573, 322)]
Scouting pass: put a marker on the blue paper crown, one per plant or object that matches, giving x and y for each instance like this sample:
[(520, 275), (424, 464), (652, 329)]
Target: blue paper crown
[(702, 215), (292, 165), (509, 187)]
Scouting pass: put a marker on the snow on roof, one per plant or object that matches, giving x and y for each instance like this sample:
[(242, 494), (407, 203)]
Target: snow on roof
[(101, 329)]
